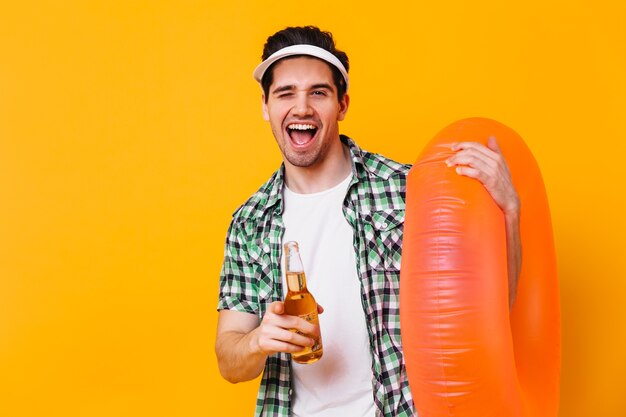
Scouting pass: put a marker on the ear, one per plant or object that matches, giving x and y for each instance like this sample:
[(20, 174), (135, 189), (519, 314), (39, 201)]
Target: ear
[(266, 113), (344, 103)]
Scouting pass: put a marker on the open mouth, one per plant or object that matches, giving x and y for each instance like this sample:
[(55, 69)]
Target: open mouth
[(301, 133)]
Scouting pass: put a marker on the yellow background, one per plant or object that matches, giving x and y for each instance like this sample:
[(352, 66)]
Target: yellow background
[(131, 130)]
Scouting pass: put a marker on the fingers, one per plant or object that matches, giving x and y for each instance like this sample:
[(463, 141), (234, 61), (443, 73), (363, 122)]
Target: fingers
[(468, 163), (272, 339), (470, 152), (279, 332), (486, 159), (492, 144), (487, 165), (277, 307), (294, 323), (471, 173), (288, 322), (474, 158), (475, 148)]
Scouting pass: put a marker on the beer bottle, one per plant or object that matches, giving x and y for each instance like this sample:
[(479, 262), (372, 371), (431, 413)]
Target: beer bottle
[(299, 301)]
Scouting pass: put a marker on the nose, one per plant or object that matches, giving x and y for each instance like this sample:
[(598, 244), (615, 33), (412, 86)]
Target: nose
[(302, 105)]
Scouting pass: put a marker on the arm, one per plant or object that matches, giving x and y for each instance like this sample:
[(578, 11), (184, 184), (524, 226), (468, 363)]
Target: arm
[(487, 165), (243, 344)]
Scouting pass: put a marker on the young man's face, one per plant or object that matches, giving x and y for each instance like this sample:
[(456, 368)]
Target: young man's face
[(303, 110)]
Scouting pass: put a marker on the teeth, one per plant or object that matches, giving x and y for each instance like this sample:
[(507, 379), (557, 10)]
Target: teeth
[(300, 126)]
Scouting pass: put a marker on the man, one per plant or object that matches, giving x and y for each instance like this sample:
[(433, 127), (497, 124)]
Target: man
[(345, 207)]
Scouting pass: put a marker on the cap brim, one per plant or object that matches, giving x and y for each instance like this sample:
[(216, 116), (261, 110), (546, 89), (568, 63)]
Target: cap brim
[(310, 50)]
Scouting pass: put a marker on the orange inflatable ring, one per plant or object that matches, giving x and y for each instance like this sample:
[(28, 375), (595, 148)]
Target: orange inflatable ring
[(465, 355)]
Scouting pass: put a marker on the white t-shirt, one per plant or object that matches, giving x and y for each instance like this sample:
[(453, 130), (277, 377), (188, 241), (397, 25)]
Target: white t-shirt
[(340, 383)]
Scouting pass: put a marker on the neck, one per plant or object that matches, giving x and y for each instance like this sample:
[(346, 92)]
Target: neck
[(320, 176)]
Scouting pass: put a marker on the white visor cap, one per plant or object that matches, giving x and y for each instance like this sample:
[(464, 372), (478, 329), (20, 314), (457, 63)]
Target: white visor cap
[(310, 50)]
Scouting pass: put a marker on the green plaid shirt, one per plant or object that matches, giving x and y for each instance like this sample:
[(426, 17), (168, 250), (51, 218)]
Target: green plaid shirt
[(251, 275)]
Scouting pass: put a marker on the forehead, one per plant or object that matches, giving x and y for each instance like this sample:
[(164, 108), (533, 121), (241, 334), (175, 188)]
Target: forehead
[(301, 71)]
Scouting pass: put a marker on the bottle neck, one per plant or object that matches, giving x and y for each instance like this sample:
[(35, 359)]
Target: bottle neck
[(296, 281)]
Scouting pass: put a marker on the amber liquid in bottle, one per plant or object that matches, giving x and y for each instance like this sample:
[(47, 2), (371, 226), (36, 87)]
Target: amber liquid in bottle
[(300, 302)]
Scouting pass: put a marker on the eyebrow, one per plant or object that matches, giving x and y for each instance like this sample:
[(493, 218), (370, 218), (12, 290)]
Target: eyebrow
[(290, 87), (321, 85), (283, 88)]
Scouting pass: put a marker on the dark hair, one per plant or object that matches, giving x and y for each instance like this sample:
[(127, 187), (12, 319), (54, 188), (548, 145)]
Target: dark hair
[(298, 35)]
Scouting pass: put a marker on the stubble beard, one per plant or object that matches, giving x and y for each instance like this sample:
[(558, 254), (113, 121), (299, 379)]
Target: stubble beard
[(304, 159)]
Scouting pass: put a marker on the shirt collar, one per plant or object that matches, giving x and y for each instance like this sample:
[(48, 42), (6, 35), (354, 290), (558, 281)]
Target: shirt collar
[(276, 184)]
